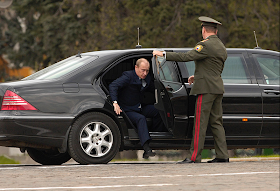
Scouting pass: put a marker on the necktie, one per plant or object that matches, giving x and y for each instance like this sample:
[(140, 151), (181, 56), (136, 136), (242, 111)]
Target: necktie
[(144, 83)]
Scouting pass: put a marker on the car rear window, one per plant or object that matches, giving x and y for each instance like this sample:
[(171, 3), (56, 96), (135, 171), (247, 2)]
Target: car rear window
[(270, 67), (61, 68)]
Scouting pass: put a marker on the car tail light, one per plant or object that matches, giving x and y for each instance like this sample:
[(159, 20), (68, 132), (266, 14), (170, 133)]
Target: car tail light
[(12, 101)]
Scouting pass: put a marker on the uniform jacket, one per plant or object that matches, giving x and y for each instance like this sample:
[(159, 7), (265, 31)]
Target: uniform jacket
[(128, 90), (209, 56)]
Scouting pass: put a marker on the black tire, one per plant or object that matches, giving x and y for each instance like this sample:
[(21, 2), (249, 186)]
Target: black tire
[(94, 139), (48, 157)]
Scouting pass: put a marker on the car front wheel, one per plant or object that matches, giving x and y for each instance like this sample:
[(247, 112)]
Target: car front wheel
[(93, 139)]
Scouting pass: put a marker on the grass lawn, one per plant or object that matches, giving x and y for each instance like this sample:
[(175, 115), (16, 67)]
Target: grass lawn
[(6, 160)]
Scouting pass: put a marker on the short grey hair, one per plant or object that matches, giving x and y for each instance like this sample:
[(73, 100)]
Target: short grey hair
[(140, 60)]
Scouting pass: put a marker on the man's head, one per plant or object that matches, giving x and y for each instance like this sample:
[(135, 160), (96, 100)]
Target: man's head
[(142, 68), (209, 26), (208, 31)]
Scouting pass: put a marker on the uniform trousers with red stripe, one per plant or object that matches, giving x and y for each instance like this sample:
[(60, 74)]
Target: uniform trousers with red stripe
[(208, 110)]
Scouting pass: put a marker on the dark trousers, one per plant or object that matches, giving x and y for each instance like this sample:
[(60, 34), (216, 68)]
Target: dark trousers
[(208, 111), (139, 119)]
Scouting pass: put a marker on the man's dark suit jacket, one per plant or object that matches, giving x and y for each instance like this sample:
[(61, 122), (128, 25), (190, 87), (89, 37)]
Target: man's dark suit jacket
[(127, 90)]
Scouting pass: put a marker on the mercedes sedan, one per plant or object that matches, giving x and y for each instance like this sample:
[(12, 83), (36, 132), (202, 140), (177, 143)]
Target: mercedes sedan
[(64, 111)]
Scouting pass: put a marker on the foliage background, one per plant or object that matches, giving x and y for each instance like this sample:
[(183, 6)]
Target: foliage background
[(39, 33)]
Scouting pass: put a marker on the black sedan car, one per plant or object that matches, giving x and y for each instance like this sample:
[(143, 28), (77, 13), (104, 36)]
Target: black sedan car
[(64, 111)]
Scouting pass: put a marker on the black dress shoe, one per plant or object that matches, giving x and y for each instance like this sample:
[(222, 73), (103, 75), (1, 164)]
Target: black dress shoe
[(218, 160), (185, 161), (148, 154)]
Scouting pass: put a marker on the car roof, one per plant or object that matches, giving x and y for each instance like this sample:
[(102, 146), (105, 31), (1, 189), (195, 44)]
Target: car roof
[(124, 51)]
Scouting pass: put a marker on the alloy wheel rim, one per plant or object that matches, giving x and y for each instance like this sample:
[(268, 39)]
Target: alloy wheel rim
[(96, 139)]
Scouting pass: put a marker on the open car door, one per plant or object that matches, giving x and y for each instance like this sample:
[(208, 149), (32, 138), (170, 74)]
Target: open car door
[(171, 96), (163, 103)]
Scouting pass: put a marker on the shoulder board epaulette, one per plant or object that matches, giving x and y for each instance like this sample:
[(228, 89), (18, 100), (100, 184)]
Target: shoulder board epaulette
[(204, 40)]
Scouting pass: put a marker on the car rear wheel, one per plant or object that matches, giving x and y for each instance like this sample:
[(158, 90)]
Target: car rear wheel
[(94, 138), (48, 157)]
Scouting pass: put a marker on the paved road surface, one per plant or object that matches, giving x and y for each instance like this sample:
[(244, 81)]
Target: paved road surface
[(144, 175)]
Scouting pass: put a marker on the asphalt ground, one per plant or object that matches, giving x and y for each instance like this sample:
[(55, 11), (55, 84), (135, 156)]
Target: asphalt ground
[(239, 174)]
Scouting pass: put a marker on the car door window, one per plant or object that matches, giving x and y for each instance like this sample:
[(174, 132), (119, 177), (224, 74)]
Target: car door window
[(235, 70), (270, 68), (190, 67), (167, 71)]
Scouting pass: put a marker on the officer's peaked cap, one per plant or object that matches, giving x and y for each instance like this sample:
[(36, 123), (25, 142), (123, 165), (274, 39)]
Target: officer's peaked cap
[(207, 21)]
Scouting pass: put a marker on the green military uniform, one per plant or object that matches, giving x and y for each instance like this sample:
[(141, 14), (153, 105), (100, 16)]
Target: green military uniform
[(209, 56)]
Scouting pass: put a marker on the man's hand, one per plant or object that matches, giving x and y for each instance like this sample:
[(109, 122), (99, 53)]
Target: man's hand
[(157, 53), (191, 79), (117, 108)]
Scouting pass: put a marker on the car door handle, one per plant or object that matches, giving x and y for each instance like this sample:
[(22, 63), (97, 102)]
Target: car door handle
[(156, 96), (271, 92), (169, 88)]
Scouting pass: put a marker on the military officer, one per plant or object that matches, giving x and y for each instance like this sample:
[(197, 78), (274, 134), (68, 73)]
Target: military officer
[(209, 56)]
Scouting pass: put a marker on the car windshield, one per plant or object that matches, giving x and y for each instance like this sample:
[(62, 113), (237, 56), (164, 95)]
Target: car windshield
[(61, 68)]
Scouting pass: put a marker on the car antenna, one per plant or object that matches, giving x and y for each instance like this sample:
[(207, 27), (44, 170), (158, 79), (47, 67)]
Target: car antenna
[(138, 45), (79, 55), (256, 42)]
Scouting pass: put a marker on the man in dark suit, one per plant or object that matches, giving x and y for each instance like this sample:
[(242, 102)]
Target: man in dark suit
[(127, 95), (209, 56)]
